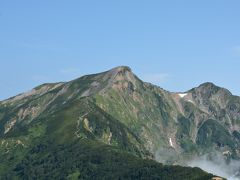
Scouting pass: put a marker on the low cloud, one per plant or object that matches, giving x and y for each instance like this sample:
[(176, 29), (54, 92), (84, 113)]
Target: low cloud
[(217, 164)]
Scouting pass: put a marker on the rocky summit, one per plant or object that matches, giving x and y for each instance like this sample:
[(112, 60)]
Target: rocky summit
[(114, 122)]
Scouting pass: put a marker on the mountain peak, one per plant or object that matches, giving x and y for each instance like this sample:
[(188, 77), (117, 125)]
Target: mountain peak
[(210, 88), (208, 85), (121, 69), (122, 77), (121, 73)]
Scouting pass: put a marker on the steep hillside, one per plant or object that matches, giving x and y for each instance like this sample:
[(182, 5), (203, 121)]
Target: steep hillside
[(117, 109), (86, 159), (174, 121)]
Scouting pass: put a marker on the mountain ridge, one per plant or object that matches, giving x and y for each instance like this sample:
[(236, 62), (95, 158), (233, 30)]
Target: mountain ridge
[(117, 70), (118, 109), (122, 78)]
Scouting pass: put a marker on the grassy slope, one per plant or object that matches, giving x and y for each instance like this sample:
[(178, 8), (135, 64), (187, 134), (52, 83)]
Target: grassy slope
[(86, 159), (52, 150)]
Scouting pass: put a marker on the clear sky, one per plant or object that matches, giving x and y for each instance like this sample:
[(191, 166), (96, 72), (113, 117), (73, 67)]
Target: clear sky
[(176, 44)]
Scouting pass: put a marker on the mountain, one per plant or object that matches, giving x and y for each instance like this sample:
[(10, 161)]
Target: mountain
[(113, 125)]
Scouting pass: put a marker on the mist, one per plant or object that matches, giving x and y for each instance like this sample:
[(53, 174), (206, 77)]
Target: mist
[(217, 164), (214, 163)]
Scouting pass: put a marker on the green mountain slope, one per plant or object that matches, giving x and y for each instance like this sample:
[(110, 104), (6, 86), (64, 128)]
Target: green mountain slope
[(173, 121), (114, 110), (86, 159)]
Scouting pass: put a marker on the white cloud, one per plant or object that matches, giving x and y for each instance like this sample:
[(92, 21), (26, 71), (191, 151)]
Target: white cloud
[(156, 78)]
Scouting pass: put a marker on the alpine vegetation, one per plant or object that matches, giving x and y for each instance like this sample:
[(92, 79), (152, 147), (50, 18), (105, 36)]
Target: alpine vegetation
[(112, 125)]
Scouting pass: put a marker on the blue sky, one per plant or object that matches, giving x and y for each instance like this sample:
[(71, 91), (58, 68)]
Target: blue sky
[(174, 44)]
